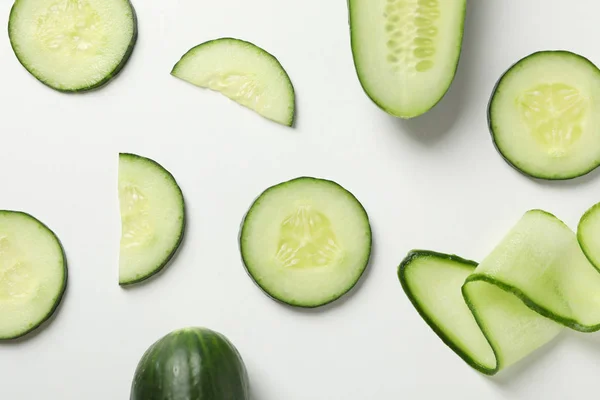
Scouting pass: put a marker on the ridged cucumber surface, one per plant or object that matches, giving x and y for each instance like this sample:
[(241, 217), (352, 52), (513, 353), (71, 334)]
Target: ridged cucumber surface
[(33, 274), (243, 72), (73, 45), (191, 364)]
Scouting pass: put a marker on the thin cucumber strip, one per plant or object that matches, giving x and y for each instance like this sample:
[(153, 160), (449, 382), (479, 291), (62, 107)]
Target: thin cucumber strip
[(306, 242), (534, 283), (243, 72), (588, 234), (152, 218), (33, 274), (406, 52), (73, 45), (544, 115)]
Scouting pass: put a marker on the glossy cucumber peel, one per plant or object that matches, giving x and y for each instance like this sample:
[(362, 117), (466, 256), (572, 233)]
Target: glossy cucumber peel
[(33, 274), (534, 283), (73, 45), (544, 115), (243, 72), (194, 363), (406, 52)]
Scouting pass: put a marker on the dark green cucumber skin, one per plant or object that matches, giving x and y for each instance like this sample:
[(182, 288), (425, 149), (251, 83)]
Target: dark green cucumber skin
[(177, 245), (191, 364), (291, 121), (490, 122), (366, 90), (63, 288), (264, 289), (404, 265), (108, 78)]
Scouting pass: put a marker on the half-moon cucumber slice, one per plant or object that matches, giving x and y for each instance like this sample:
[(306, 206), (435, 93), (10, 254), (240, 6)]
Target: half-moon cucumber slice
[(306, 242), (152, 218)]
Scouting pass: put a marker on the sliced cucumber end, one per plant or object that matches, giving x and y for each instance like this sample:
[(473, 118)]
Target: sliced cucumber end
[(33, 274), (306, 242), (543, 115), (244, 73), (152, 213)]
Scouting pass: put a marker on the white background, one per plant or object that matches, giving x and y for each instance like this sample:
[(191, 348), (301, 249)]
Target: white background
[(435, 182)]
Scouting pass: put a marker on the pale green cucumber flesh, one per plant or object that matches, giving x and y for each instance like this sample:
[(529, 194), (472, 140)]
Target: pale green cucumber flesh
[(544, 115), (33, 274), (73, 45), (535, 282), (306, 242), (406, 52), (243, 72), (152, 213)]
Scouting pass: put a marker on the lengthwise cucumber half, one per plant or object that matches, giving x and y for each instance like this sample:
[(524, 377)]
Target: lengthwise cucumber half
[(535, 282), (406, 52), (73, 45)]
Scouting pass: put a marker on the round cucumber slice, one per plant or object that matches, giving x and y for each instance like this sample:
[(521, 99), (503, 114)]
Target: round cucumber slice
[(33, 274), (243, 72), (152, 218), (306, 242), (544, 115), (73, 45)]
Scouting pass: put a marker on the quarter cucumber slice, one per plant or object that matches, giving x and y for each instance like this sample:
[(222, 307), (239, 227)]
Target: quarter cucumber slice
[(544, 115), (73, 45), (33, 274), (306, 242), (152, 218), (243, 72), (534, 283), (406, 52)]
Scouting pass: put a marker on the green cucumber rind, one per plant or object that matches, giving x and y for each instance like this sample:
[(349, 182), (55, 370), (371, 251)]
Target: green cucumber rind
[(259, 49), (497, 86), (380, 104), (63, 288), (265, 290), (404, 265), (581, 240), (161, 265), (154, 375), (103, 82)]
